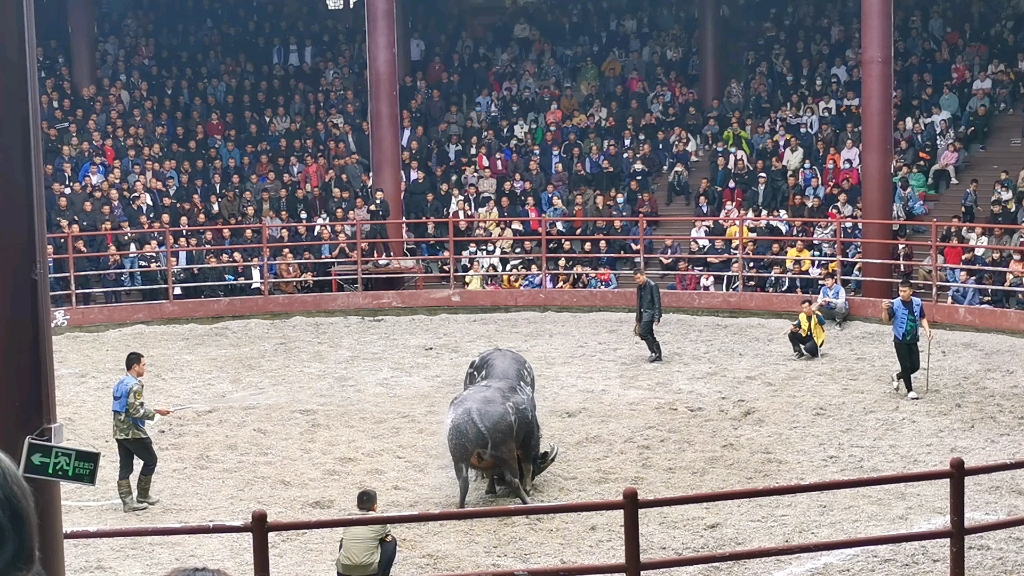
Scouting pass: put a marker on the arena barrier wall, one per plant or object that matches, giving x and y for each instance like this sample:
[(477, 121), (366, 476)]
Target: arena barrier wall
[(357, 281), (633, 563)]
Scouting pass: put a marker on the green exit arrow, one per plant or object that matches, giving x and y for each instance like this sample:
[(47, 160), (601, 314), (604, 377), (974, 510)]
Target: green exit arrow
[(38, 459)]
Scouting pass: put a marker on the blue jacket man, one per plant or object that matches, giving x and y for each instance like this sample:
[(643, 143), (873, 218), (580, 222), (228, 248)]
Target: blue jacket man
[(907, 316)]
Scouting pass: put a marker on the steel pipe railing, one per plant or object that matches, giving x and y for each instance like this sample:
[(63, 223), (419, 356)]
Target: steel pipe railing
[(260, 527)]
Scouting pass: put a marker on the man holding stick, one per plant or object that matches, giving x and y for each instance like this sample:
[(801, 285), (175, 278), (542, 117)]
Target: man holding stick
[(130, 416), (906, 314)]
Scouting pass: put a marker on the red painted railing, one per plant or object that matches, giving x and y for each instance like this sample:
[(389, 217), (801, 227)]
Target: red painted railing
[(356, 268), (633, 563)]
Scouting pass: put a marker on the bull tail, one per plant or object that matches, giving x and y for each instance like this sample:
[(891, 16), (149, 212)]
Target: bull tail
[(483, 430)]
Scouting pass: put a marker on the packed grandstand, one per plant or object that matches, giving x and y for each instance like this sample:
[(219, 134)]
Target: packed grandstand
[(224, 151)]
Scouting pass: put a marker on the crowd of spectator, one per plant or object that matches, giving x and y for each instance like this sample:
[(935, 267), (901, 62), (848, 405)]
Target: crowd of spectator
[(225, 147)]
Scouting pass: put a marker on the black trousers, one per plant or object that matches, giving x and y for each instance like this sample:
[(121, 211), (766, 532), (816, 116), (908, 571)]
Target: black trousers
[(128, 450), (388, 551), (803, 343), (909, 357), (647, 335)]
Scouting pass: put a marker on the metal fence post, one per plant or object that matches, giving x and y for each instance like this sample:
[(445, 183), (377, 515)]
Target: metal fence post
[(839, 252), (642, 238), (739, 253), (956, 517), (264, 230), (631, 529), (451, 253), (935, 257), (260, 544), (543, 253), (168, 243), (359, 255), (71, 270)]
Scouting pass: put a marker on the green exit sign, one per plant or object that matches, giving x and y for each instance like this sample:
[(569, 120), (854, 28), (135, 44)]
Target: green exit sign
[(60, 463)]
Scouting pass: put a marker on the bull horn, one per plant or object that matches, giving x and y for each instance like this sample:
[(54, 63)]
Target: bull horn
[(545, 460)]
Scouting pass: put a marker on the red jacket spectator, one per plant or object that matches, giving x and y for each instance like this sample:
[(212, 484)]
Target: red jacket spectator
[(852, 173), (312, 176)]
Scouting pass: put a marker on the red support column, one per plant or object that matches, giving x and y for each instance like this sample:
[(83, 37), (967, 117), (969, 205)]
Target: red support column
[(710, 40), (82, 23), (385, 147), (26, 350), (876, 148)]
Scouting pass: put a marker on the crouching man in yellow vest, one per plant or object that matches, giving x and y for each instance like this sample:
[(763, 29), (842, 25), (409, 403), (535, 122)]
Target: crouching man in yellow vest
[(807, 334)]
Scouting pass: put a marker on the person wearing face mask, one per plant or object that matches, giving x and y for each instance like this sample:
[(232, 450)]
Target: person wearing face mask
[(849, 172), (805, 136), (719, 151), (807, 174), (1015, 279), (831, 175), (469, 256)]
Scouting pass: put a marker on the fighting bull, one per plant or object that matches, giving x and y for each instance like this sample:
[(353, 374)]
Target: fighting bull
[(493, 428)]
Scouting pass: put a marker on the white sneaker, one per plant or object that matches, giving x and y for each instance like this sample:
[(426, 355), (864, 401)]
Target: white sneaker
[(896, 381), (912, 395), (954, 181)]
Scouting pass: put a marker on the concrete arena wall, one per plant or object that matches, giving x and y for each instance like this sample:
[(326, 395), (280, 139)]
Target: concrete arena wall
[(749, 302)]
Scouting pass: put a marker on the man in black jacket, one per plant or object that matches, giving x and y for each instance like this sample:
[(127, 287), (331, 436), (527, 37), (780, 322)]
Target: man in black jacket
[(648, 313)]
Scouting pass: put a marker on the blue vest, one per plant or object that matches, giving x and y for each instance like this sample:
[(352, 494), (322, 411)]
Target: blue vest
[(121, 391), (901, 313)]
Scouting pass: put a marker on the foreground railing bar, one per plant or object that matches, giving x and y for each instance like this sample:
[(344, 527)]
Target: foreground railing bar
[(794, 549), (994, 525), (575, 570), (167, 530), (446, 515), (790, 489), (982, 469)]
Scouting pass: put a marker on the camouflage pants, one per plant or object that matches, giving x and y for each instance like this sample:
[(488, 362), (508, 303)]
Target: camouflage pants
[(128, 450)]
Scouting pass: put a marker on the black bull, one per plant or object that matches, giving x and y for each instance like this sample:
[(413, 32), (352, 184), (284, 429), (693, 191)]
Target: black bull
[(493, 428)]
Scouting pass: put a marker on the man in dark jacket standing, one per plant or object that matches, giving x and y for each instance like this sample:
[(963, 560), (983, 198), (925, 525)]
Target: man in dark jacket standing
[(648, 313)]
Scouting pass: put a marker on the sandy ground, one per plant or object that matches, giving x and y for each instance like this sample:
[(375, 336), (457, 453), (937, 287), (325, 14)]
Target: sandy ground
[(303, 412)]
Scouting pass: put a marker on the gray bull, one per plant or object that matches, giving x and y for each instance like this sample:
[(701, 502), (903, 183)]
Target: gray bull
[(500, 364), (493, 428)]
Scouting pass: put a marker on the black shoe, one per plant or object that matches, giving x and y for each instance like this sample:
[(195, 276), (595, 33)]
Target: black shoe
[(798, 355), (654, 358)]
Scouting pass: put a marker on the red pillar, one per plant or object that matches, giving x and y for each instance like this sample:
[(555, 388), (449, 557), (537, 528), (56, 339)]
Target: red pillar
[(710, 40), (82, 22), (27, 401), (385, 147), (876, 149)]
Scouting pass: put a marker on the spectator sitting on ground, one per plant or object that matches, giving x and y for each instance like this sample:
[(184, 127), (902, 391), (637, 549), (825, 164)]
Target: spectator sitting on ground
[(366, 550), (832, 301)]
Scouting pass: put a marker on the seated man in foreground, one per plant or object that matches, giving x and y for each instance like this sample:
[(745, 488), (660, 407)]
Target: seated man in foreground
[(366, 550)]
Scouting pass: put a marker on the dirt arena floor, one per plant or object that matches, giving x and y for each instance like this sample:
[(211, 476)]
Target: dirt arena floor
[(296, 415)]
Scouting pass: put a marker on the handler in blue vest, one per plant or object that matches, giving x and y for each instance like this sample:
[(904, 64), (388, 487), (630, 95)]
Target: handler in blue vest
[(130, 415), (907, 316)]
